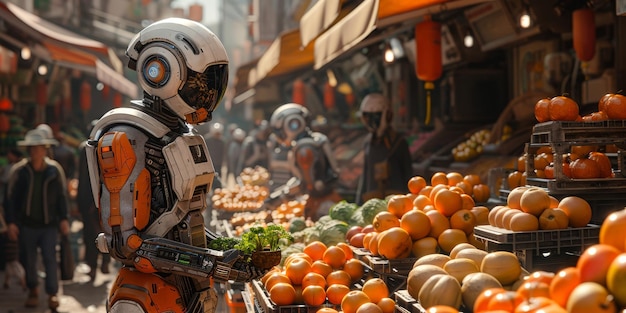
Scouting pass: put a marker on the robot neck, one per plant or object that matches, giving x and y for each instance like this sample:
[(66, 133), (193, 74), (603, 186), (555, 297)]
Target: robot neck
[(156, 107)]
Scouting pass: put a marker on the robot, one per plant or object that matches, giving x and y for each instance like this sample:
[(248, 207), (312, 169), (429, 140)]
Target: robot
[(301, 160), (150, 174)]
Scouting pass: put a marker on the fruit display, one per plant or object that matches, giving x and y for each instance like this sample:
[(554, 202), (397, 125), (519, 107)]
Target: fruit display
[(239, 198), (255, 176), (472, 147)]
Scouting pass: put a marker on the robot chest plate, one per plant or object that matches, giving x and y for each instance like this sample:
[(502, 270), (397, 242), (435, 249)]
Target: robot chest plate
[(190, 166)]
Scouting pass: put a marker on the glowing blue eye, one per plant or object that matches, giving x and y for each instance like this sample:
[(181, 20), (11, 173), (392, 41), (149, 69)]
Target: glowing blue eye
[(294, 124)]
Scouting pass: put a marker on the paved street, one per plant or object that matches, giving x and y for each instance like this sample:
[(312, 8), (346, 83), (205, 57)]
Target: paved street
[(77, 296)]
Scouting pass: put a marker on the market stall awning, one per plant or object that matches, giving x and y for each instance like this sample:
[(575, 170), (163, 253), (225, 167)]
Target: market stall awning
[(284, 55), (372, 14), (242, 76), (66, 48), (346, 33), (318, 18)]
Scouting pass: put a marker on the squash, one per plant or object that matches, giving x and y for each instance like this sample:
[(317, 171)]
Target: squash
[(502, 265), (440, 289), (436, 259), (459, 268), (474, 284), (418, 276), (475, 255)]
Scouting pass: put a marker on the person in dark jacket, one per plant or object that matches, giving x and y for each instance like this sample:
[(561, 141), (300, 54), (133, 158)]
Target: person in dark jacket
[(387, 167), (37, 209)]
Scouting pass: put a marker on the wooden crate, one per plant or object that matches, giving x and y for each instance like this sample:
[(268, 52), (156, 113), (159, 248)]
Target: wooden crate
[(265, 305)]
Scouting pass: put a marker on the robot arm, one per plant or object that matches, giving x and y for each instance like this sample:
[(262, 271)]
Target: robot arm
[(168, 256)]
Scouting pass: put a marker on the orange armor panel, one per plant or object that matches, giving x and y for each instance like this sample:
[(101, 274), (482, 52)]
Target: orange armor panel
[(149, 290)]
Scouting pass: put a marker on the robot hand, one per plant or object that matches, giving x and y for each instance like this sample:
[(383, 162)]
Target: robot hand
[(233, 267)]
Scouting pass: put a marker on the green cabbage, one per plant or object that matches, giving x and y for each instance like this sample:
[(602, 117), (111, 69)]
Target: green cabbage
[(357, 218), (342, 211), (332, 232), (296, 224), (372, 207)]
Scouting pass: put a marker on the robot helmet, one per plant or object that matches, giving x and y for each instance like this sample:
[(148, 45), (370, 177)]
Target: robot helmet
[(217, 129), (183, 63), (375, 113), (47, 130), (288, 121), (239, 135)]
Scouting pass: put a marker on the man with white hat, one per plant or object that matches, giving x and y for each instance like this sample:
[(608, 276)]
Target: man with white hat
[(37, 209)]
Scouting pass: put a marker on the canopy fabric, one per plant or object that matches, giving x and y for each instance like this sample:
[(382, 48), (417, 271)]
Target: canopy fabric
[(318, 18), (284, 55), (346, 33), (242, 76), (67, 49), (372, 14)]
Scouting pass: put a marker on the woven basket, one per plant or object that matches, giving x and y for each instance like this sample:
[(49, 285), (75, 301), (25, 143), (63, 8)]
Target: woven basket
[(266, 259)]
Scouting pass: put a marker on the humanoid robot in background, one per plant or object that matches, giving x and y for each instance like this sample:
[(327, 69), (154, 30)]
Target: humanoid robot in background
[(302, 160), (150, 174), (254, 151)]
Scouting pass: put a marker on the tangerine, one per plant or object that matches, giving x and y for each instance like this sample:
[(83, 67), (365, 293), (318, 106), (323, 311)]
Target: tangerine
[(416, 184), (563, 283), (450, 238), (283, 294), (416, 223), (353, 300), (376, 289), (387, 305), (313, 279), (421, 201), (336, 292), (398, 205), (315, 250), (439, 178), (354, 268), (339, 277), (438, 223), (313, 295), (454, 178), (346, 249), (321, 268), (448, 202), (335, 257), (369, 308), (297, 269), (577, 209)]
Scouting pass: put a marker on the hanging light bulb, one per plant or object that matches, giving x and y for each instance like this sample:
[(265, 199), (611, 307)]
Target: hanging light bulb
[(42, 69), (25, 53), (332, 79), (468, 40), (396, 48), (524, 20), (389, 57)]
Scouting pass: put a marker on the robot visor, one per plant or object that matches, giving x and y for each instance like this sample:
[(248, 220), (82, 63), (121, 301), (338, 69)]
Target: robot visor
[(372, 119), (205, 90)]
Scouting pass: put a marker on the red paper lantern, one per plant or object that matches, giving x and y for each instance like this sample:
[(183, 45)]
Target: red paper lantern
[(6, 104), (117, 100), (106, 91), (329, 96), (42, 93), (584, 34), (428, 44), (85, 96), (297, 95), (350, 99), (5, 123)]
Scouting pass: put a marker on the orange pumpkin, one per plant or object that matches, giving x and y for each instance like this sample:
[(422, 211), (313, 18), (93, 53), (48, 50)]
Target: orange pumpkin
[(584, 168), (562, 108), (481, 193), (604, 164), (463, 220), (553, 219), (616, 107), (542, 110)]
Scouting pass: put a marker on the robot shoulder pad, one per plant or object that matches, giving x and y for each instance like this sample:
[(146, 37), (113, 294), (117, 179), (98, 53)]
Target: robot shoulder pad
[(131, 117)]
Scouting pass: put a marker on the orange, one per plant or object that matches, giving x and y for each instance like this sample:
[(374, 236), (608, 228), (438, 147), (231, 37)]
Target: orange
[(523, 222), (326, 310), (416, 184), (283, 294), (299, 299), (353, 300), (468, 201), (439, 178), (335, 257), (339, 277), (273, 270), (313, 279), (275, 278), (424, 246), (438, 223), (481, 213), (593, 263), (315, 250), (534, 200), (534, 289), (369, 308), (416, 223), (297, 269), (482, 301), (563, 283), (385, 220), (321, 268), (577, 209), (426, 191), (394, 243), (387, 305), (441, 308), (472, 179), (435, 191), (399, 204), (375, 289), (464, 220), (367, 238), (421, 201), (454, 178), (457, 189), (346, 249), (336, 292), (467, 188), (450, 238), (298, 255), (447, 202), (354, 268), (374, 244), (313, 295)]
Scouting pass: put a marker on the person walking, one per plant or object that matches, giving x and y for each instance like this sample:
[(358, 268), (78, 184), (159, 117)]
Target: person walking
[(90, 217), (37, 209), (387, 160)]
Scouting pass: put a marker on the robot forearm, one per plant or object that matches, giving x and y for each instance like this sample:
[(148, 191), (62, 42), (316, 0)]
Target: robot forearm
[(168, 256)]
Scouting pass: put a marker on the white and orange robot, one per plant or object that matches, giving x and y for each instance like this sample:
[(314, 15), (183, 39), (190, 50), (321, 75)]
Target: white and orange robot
[(150, 174)]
